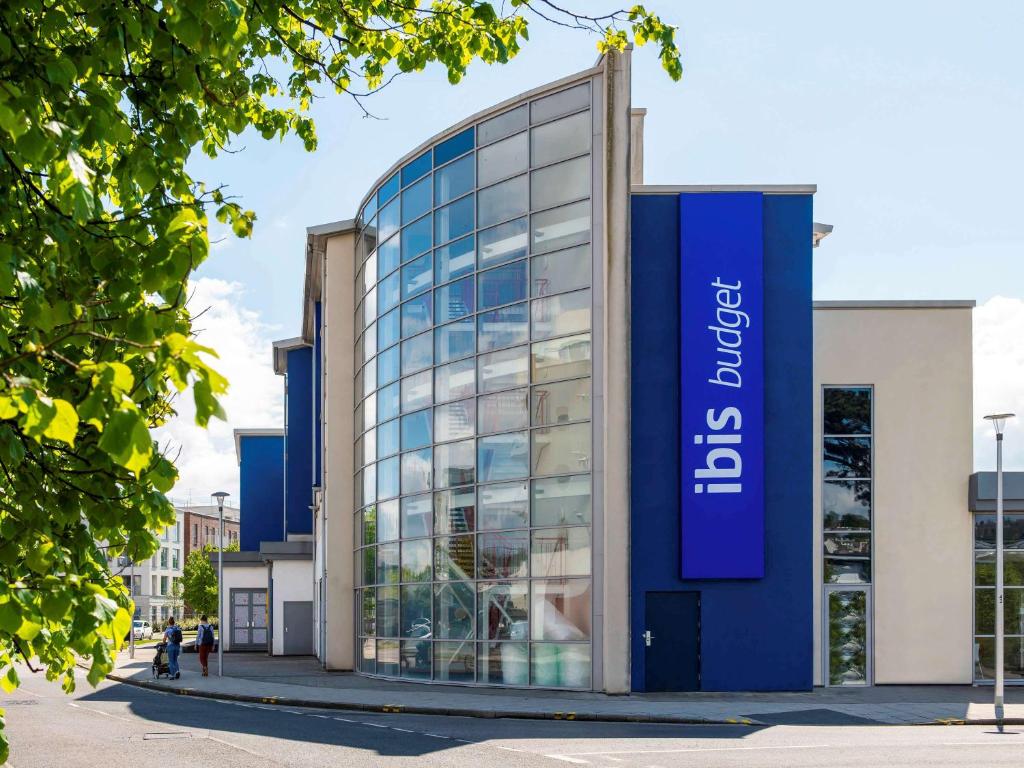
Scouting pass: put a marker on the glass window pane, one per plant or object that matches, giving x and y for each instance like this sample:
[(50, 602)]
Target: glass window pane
[(390, 291), (503, 125), (1013, 658), (369, 484), (503, 201), (453, 301), (417, 200), (368, 343), (370, 306), (560, 271), (416, 559), (560, 139), (847, 457), (504, 369), (560, 403), (846, 504), (387, 520), (851, 543), (847, 411), (455, 662), (387, 564), (560, 609), (502, 327), (369, 529), (455, 340), (562, 314), (847, 637), (417, 276), (1013, 568), (417, 515), (369, 569), (414, 169), (368, 603), (451, 148), (560, 227), (985, 611), (454, 464), (388, 402), (367, 276), (387, 653), (387, 611), (454, 511), (416, 471), (505, 505), (417, 352), (389, 329), (388, 477), (502, 159), (416, 315), (454, 220), (560, 103), (561, 359), (502, 285), (387, 439), (388, 189), (453, 180), (503, 555), (985, 531), (504, 610), (454, 381), (388, 221), (416, 654), (502, 457), (560, 552), (847, 571), (503, 411), (387, 366), (561, 450), (454, 260), (388, 255), (561, 501), (561, 183), (369, 412), (416, 391), (560, 665), (454, 421), (416, 238), (454, 561), (502, 243), (416, 429), (454, 604), (503, 664)]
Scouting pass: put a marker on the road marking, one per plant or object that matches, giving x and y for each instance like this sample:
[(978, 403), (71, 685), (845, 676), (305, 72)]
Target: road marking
[(434, 735), (322, 717), (691, 749), (375, 725), (567, 759), (403, 730), (343, 719), (98, 712)]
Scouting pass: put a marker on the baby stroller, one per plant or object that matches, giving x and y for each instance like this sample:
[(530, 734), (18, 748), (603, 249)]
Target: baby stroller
[(160, 668)]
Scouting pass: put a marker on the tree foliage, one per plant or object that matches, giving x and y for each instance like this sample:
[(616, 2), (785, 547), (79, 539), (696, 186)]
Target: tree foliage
[(200, 580), (101, 105)]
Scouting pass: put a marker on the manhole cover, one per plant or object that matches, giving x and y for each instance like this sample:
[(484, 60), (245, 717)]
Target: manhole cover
[(167, 735)]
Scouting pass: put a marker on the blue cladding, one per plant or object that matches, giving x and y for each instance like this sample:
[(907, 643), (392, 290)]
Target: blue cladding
[(756, 634), (299, 442), (317, 400), (261, 492), (453, 147)]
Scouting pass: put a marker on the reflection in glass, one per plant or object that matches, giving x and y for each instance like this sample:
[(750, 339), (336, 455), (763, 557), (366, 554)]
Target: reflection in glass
[(560, 271), (502, 285), (502, 457), (388, 220), (503, 125), (847, 411), (387, 657), (847, 570), (417, 353), (388, 257), (454, 260), (502, 243), (502, 159), (561, 358), (368, 656), (560, 139), (985, 611), (414, 169), (415, 610), (503, 411), (562, 314), (369, 527), (455, 662), (387, 565), (505, 505), (416, 471), (387, 520), (453, 180), (388, 436), (454, 421), (848, 637), (387, 366), (561, 402), (503, 201), (455, 340), (504, 610), (417, 276), (560, 665), (454, 464), (985, 568), (416, 559), (503, 664), (560, 609), (503, 555), (390, 291), (454, 511), (454, 381), (416, 429), (453, 301), (453, 221), (416, 200), (416, 390), (417, 514), (563, 102), (416, 659), (560, 227), (1013, 658), (502, 327), (561, 183), (561, 450), (453, 609), (846, 504), (368, 612), (389, 329), (847, 457), (451, 148), (560, 552), (504, 369), (388, 476), (416, 238), (985, 531)]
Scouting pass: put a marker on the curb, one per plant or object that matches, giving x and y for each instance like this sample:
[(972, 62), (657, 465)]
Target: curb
[(283, 701)]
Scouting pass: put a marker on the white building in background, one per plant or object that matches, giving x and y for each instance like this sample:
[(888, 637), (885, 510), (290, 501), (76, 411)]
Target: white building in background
[(155, 579)]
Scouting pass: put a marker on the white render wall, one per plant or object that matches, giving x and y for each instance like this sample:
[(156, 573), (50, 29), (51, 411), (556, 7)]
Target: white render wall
[(918, 359), (293, 581)]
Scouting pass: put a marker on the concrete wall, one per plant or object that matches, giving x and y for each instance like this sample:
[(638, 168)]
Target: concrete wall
[(918, 359), (292, 581), (238, 577), (338, 319)]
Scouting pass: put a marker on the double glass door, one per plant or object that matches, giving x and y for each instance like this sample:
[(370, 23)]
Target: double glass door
[(248, 619), (848, 636)]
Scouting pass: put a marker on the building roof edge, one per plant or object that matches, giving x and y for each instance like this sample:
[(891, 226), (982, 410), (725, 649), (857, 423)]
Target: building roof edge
[(898, 304)]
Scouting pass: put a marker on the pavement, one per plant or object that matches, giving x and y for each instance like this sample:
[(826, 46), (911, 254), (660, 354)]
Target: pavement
[(301, 682)]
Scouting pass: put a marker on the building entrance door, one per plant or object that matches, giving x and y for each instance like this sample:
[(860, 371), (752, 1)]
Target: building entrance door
[(672, 641), (248, 620), (298, 627), (848, 636)]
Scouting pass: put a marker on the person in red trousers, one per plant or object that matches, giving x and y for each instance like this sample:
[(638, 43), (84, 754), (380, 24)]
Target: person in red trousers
[(204, 642)]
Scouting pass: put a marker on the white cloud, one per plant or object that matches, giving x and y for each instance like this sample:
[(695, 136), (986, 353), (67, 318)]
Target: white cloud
[(999, 379), (206, 457)]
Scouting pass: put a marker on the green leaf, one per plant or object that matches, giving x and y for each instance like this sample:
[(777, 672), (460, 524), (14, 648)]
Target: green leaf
[(64, 425), (126, 439), (10, 617)]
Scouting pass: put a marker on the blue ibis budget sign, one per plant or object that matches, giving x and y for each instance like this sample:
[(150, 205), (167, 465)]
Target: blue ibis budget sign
[(722, 385)]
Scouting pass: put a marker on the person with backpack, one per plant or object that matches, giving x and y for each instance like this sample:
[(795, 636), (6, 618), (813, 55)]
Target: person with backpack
[(204, 642), (172, 636)]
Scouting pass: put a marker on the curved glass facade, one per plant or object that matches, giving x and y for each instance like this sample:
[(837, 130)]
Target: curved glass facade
[(473, 448)]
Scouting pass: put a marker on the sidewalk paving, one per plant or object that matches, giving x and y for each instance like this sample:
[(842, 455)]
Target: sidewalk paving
[(300, 682)]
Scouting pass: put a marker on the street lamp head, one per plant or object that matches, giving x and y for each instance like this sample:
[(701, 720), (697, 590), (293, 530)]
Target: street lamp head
[(999, 421), (220, 496)]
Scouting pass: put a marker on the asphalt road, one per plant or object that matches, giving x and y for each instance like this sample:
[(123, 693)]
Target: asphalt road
[(122, 725)]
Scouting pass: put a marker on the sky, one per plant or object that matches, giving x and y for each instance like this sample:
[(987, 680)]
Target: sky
[(906, 115)]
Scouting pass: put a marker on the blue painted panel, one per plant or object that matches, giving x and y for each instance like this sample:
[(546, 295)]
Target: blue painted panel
[(757, 634), (299, 442), (317, 398), (261, 492), (722, 385)]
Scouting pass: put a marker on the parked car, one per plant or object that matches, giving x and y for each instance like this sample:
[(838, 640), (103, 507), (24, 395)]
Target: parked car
[(143, 630)]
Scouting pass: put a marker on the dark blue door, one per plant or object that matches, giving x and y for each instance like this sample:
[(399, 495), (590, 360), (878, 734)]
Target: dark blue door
[(672, 641)]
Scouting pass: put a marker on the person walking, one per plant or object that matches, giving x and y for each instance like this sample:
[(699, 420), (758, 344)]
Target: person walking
[(204, 641), (172, 636)]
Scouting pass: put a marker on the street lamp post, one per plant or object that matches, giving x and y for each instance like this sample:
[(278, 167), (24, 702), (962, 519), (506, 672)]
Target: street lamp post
[(220, 496), (999, 422), (131, 593)]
